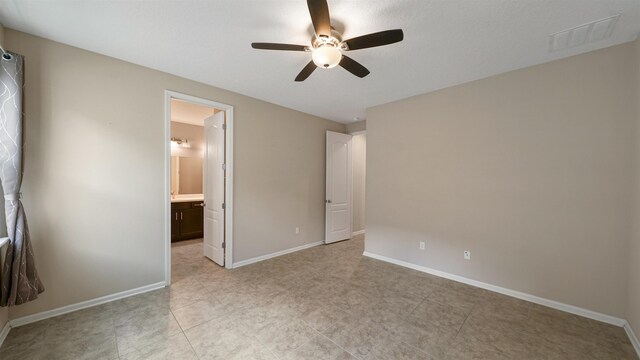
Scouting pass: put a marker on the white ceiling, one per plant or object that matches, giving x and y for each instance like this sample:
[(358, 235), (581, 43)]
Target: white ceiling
[(447, 42), (189, 113)]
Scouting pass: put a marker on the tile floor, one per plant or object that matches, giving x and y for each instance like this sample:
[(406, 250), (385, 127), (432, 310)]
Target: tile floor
[(326, 302)]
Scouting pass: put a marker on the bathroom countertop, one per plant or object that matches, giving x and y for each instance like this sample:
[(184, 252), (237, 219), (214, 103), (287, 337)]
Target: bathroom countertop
[(187, 198)]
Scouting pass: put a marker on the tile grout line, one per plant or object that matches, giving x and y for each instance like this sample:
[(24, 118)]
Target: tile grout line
[(182, 330), (416, 306), (343, 349), (299, 346), (115, 334), (190, 345), (415, 347), (464, 322)]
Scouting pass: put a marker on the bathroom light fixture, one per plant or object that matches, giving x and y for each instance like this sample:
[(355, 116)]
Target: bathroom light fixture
[(183, 143)]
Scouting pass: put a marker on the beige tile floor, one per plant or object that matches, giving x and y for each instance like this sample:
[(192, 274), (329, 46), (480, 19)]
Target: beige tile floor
[(324, 303)]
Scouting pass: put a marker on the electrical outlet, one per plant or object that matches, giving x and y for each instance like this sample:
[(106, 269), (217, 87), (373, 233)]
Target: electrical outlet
[(467, 255), (297, 230), (422, 245)]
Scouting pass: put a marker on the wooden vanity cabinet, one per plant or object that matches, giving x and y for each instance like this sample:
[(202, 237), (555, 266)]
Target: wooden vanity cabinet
[(187, 220)]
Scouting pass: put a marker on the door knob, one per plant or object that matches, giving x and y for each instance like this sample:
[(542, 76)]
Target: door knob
[(328, 201), (201, 204)]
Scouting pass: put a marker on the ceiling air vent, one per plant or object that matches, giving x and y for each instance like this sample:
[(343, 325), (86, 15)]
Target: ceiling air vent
[(583, 34)]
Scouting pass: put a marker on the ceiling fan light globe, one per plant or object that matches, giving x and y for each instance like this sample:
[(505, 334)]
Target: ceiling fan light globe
[(326, 57)]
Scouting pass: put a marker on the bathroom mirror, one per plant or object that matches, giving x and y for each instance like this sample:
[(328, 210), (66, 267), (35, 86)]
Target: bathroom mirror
[(186, 175)]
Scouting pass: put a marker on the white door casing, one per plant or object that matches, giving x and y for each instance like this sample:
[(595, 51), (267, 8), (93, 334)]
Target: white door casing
[(228, 188), (214, 188), (338, 202)]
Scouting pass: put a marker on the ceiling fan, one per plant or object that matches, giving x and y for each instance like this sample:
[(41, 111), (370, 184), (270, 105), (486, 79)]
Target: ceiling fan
[(327, 44)]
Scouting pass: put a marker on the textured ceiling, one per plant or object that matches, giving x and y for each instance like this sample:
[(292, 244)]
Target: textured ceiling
[(447, 42)]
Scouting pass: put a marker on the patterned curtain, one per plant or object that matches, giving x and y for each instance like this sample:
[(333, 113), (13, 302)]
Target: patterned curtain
[(20, 281)]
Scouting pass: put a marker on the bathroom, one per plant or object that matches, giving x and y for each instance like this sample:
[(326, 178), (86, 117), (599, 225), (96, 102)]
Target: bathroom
[(193, 135)]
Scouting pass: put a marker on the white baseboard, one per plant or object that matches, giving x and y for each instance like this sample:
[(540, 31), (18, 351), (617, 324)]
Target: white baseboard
[(83, 305), (632, 337), (275, 254), (357, 232), (4, 332), (513, 293)]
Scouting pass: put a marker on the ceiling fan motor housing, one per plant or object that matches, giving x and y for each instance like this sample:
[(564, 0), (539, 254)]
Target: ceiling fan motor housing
[(334, 40)]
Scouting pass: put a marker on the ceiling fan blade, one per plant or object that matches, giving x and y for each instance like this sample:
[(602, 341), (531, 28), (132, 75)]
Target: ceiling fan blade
[(319, 11), (275, 46), (376, 39), (353, 67), (304, 74)]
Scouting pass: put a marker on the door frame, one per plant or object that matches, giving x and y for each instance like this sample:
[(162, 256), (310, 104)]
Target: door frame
[(228, 222)]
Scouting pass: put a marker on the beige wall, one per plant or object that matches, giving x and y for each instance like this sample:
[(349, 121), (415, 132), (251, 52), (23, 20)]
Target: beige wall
[(529, 170), (633, 302), (359, 146), (96, 202), (357, 126)]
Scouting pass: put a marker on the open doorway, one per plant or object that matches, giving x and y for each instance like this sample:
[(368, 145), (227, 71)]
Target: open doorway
[(198, 178), (359, 146)]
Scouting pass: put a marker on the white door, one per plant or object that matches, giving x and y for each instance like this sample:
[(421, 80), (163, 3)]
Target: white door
[(338, 197), (214, 188)]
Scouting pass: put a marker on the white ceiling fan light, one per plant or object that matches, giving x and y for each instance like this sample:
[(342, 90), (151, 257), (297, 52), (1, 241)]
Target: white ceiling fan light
[(326, 56)]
